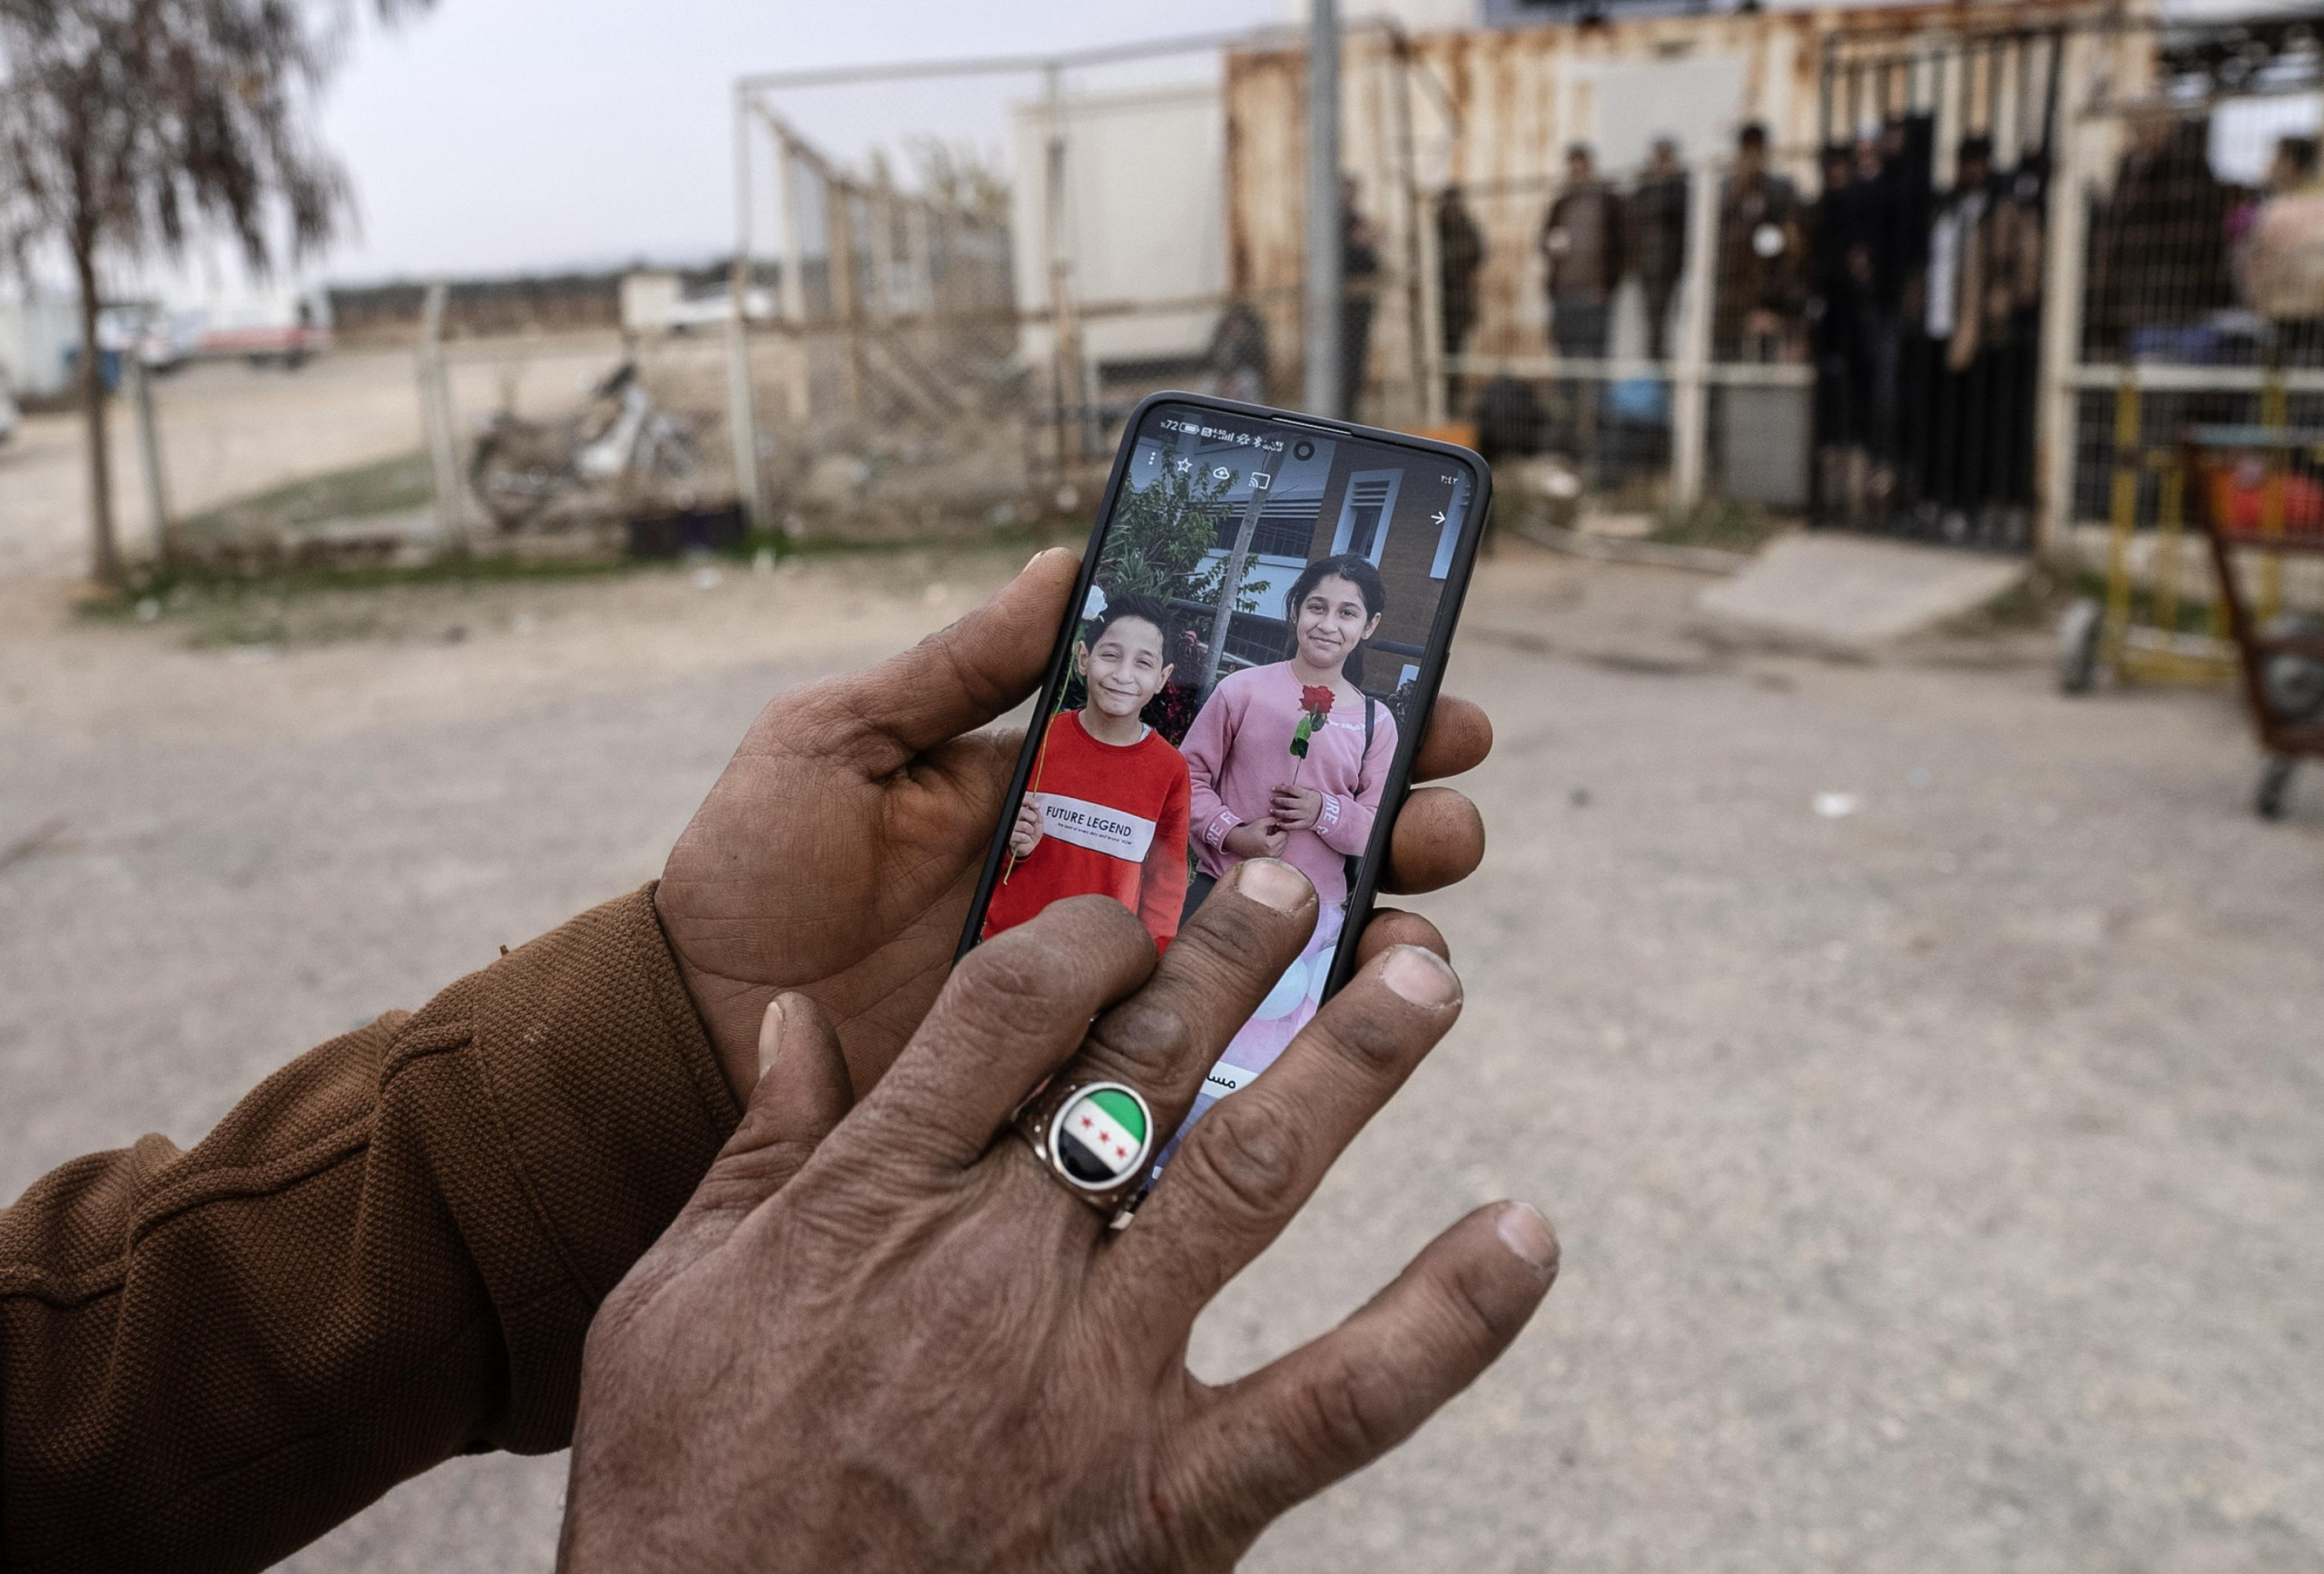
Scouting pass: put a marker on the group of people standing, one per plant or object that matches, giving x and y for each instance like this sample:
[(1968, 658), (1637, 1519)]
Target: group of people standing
[(1924, 307), (1595, 236), (1917, 306)]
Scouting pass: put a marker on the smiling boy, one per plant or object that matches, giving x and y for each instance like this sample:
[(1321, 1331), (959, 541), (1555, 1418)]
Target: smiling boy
[(1107, 810)]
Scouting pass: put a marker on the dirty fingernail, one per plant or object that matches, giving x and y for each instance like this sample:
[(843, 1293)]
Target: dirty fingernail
[(1274, 882), (1528, 1237), (770, 1034), (1421, 977)]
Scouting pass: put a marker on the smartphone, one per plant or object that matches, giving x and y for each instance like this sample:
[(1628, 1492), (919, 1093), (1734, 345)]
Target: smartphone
[(1246, 668)]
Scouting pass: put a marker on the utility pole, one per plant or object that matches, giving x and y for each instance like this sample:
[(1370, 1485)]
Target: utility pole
[(741, 416), (435, 417), (149, 443), (1323, 260), (1065, 332)]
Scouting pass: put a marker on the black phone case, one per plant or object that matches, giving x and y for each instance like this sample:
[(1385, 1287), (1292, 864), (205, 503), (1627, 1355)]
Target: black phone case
[(1438, 648)]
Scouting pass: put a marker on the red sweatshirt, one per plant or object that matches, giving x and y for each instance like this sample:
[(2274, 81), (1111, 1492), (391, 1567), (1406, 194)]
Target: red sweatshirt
[(1113, 823)]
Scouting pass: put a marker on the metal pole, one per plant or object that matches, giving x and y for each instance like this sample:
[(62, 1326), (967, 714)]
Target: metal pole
[(1691, 390), (1065, 338), (436, 416), (741, 416), (1435, 404), (847, 301), (1423, 345), (793, 282), (149, 450), (2063, 283), (1323, 258)]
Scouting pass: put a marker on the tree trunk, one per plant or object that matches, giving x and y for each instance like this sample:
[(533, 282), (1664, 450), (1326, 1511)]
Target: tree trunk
[(104, 558)]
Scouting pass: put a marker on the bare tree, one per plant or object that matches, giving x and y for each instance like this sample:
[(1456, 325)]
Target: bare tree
[(128, 125)]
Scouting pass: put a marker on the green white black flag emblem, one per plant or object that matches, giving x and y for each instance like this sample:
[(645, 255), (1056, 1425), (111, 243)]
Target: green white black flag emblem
[(1100, 1136)]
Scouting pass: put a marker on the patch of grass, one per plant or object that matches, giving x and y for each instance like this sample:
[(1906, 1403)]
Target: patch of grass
[(1720, 522), (1033, 536), (2194, 612), (359, 492), (177, 588), (2032, 603), (228, 608)]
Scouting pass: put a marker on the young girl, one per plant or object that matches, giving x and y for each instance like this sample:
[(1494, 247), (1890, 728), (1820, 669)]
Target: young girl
[(1106, 810), (1253, 797)]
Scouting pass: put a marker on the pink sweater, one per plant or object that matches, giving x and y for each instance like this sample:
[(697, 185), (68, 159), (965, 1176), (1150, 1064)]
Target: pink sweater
[(1238, 751)]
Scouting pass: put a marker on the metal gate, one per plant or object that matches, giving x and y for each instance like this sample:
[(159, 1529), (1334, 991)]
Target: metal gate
[(1926, 261)]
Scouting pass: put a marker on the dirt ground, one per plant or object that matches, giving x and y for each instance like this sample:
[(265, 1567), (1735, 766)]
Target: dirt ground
[(1932, 1175)]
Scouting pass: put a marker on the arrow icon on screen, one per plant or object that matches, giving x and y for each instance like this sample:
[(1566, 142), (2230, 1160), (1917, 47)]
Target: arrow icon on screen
[(1438, 517)]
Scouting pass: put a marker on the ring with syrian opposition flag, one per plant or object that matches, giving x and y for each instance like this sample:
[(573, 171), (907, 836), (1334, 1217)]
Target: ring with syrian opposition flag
[(1095, 1138)]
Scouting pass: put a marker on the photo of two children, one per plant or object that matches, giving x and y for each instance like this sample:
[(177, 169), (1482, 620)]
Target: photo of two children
[(1225, 699)]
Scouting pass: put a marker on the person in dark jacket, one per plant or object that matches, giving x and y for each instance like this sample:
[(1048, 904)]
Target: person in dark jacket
[(1460, 253), (1838, 273), (1657, 247), (1584, 240), (2160, 253), (1762, 282), (1984, 277)]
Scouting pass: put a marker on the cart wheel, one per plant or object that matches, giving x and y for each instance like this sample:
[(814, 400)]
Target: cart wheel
[(2275, 780), (2079, 628)]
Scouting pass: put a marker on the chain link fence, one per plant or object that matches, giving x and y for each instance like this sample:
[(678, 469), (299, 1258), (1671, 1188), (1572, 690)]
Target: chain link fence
[(1929, 293), (953, 283), (2197, 196)]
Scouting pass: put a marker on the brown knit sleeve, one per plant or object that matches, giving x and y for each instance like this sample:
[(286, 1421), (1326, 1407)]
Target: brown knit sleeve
[(387, 1254)]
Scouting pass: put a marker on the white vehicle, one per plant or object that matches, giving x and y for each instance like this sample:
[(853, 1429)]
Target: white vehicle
[(282, 326), (275, 325)]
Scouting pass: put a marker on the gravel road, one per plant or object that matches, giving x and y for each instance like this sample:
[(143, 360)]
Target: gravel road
[(1930, 1167)]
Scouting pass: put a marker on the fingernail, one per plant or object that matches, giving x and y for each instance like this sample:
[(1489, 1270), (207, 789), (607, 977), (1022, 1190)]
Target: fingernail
[(770, 1034), (1421, 977), (1528, 1236), (1274, 882)]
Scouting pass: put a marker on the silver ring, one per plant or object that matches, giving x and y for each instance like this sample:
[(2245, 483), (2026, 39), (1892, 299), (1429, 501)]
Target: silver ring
[(1095, 1138)]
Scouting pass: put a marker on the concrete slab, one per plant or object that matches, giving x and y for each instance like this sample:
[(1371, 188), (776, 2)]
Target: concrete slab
[(1852, 595)]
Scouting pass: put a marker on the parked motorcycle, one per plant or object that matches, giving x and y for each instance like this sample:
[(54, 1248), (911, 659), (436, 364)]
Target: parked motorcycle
[(619, 452)]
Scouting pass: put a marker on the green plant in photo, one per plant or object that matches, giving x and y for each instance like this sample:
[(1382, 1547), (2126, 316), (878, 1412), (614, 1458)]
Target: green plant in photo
[(1158, 538)]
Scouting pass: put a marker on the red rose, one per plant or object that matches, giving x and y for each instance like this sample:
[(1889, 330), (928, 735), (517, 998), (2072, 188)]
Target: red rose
[(1317, 701)]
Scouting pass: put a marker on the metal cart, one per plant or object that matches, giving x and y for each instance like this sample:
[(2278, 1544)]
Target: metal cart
[(2281, 653), (2135, 638)]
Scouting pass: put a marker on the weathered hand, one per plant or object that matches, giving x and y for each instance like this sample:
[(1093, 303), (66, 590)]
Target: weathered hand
[(1295, 808), (888, 1339), (1027, 834), (839, 851)]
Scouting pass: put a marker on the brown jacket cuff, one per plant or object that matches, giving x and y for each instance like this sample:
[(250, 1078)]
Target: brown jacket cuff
[(582, 1115), (389, 1252)]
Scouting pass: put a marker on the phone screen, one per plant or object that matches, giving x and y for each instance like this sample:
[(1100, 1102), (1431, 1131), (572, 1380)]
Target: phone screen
[(1264, 613)]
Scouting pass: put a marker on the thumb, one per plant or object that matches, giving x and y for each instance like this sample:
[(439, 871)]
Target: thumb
[(802, 1093)]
